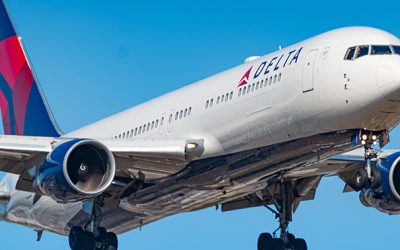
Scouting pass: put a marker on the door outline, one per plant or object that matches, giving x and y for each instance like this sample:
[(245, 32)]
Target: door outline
[(309, 71)]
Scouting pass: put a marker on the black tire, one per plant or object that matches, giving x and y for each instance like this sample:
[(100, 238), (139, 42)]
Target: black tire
[(376, 178), (88, 240), (300, 244), (264, 241), (112, 241), (76, 238), (291, 239), (360, 180)]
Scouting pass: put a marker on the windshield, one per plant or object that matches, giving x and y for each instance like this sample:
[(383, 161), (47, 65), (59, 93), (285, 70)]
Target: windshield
[(396, 49), (380, 50)]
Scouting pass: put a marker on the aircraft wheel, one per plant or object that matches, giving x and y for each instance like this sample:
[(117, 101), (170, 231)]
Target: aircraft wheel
[(300, 244), (264, 241), (112, 241), (76, 238), (360, 179), (291, 239)]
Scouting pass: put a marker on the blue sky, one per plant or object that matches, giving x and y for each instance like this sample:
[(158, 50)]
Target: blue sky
[(95, 58)]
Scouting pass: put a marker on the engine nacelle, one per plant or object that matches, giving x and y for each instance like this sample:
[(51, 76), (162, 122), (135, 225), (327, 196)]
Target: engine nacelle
[(386, 196), (76, 170)]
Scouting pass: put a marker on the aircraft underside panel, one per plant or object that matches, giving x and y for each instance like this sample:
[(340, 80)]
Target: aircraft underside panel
[(218, 180)]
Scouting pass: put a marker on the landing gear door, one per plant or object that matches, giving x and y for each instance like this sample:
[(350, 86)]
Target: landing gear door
[(308, 70)]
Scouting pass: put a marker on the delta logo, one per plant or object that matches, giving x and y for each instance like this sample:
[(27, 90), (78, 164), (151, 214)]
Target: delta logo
[(245, 78), (270, 65)]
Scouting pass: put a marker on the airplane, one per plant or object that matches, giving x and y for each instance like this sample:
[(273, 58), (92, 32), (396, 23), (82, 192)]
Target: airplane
[(262, 134)]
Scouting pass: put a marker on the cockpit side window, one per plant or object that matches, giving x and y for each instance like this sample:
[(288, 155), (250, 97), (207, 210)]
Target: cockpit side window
[(350, 53), (380, 50), (396, 49), (362, 51)]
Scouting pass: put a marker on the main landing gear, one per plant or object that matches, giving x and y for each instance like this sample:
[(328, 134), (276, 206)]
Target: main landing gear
[(284, 206), (93, 237)]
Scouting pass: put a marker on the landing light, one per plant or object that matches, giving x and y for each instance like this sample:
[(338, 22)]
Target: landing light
[(363, 142), (364, 137), (191, 146), (374, 137)]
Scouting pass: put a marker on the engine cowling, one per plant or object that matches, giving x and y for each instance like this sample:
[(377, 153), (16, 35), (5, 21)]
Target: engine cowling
[(386, 195), (76, 170)]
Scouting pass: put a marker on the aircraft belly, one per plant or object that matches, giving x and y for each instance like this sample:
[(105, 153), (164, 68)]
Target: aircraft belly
[(46, 214), (216, 180)]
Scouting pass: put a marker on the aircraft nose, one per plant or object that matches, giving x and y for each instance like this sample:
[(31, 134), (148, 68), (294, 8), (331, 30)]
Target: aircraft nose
[(388, 73)]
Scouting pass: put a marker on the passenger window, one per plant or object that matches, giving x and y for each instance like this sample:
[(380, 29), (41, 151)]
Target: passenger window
[(350, 53), (207, 104), (162, 121), (181, 114), (190, 111), (279, 77), (222, 98), (148, 126), (144, 128), (218, 100), (152, 124), (244, 90), (380, 50), (140, 130), (226, 97), (396, 49), (258, 85), (176, 115), (262, 83), (362, 51), (252, 87), (157, 123), (231, 95), (135, 131), (211, 103), (275, 79), (270, 80), (185, 114), (248, 89), (240, 92)]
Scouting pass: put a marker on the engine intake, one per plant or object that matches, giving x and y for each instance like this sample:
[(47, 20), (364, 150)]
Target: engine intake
[(76, 170)]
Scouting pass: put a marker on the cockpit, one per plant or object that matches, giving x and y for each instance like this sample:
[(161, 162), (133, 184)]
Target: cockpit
[(356, 52)]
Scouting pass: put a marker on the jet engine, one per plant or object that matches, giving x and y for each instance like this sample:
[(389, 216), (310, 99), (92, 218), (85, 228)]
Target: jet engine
[(384, 194), (76, 170)]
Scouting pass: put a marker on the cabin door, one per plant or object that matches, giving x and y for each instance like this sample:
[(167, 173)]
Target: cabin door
[(308, 71)]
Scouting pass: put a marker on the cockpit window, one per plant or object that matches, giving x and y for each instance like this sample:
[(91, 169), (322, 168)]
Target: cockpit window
[(396, 49), (350, 53), (380, 50), (362, 51)]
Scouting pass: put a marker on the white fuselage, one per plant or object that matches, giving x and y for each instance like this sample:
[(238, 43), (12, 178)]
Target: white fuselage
[(302, 90), (342, 95)]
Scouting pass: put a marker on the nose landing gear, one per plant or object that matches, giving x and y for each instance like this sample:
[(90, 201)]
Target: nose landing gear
[(284, 206), (92, 236)]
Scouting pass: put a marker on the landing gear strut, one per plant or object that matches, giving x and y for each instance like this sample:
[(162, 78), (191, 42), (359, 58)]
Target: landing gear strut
[(284, 211), (368, 176), (92, 236)]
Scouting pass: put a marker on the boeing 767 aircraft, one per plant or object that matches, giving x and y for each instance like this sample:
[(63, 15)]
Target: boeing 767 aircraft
[(263, 133)]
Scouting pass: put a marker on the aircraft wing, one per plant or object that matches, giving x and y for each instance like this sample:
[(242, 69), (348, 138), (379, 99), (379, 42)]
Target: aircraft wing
[(154, 158)]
